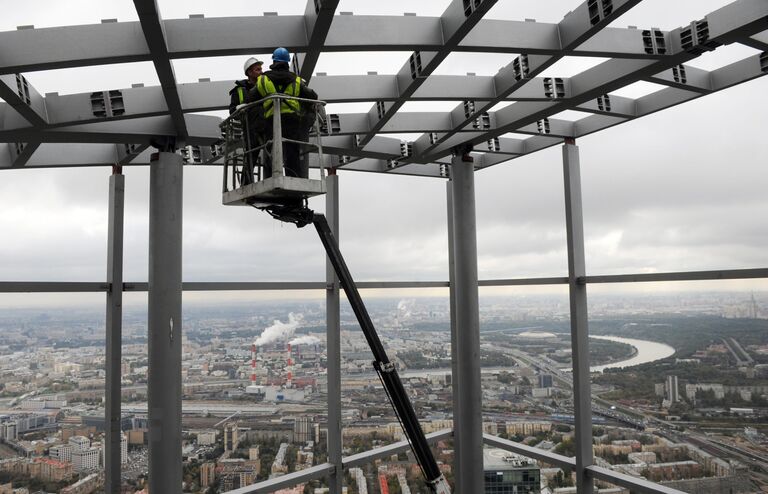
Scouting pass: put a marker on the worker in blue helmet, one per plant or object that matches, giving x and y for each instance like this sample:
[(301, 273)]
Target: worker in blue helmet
[(296, 117)]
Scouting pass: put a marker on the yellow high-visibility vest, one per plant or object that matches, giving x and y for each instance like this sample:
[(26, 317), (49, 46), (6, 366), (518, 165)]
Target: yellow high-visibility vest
[(266, 87)]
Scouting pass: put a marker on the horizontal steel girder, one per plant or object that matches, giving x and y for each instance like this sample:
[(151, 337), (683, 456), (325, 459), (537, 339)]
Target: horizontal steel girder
[(127, 120)]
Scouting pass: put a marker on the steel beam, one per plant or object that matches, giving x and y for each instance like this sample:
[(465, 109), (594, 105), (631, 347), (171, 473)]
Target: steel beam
[(24, 98), (122, 42), (576, 28), (539, 454), (735, 21), (727, 274), (470, 427), (154, 34), (114, 327), (582, 391), (272, 485), (456, 22), (455, 393), (318, 16), (164, 375), (84, 287), (759, 41), (20, 153), (52, 287), (685, 77), (333, 342), (630, 482), (387, 451)]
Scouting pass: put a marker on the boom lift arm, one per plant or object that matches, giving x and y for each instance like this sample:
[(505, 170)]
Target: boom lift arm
[(384, 367), (284, 198)]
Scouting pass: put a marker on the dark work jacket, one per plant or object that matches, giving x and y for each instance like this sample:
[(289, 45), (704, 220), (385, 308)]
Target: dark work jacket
[(281, 76), (234, 98)]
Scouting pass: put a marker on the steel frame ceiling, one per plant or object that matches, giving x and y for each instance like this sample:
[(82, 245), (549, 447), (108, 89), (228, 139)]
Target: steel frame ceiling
[(118, 124)]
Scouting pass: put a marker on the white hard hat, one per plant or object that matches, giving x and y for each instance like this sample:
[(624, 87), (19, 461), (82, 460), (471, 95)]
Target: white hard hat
[(250, 62)]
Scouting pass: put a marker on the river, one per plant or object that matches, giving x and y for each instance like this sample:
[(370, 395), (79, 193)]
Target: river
[(647, 351)]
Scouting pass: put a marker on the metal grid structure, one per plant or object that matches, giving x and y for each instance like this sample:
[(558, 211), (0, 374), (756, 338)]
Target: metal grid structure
[(121, 126)]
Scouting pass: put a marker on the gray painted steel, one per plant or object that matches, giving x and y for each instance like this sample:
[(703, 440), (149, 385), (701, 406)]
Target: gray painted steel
[(139, 114), (154, 34), (634, 484), (203, 286), (530, 451), (164, 341), (333, 343), (455, 393), (582, 399), (114, 332), (368, 457), (289, 480), (325, 469), (467, 327)]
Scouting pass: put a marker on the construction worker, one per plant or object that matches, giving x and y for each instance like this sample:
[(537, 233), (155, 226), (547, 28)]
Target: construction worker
[(237, 97), (239, 93), (293, 114)]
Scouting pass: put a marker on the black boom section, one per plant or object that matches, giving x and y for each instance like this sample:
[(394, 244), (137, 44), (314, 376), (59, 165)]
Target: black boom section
[(386, 369)]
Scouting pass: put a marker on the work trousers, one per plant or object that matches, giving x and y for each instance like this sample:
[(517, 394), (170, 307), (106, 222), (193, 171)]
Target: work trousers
[(293, 164)]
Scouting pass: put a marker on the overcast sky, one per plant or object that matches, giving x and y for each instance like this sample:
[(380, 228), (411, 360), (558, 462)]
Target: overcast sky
[(684, 189)]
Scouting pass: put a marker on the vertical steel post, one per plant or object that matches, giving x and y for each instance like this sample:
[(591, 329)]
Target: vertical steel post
[(164, 379), (277, 138), (470, 424), (582, 399), (114, 326), (454, 341), (333, 338)]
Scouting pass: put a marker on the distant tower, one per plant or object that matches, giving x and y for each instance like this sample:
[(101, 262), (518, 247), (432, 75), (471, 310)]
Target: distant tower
[(545, 380), (752, 308), (253, 364), (289, 369), (673, 394), (230, 437)]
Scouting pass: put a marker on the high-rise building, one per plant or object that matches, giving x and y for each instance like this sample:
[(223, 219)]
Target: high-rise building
[(123, 450), (86, 459), (61, 452), (230, 437), (207, 474), (671, 389), (303, 429), (507, 473), (79, 443), (545, 380)]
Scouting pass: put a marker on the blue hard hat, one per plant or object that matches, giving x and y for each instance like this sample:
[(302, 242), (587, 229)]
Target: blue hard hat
[(281, 55)]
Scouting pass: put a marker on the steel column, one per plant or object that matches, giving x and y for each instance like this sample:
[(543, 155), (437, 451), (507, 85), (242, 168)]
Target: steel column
[(454, 340), (333, 340), (470, 425), (114, 327), (582, 398), (164, 379)]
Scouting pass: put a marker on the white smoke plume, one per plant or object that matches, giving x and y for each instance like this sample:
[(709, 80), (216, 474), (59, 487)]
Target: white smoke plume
[(280, 330), (405, 307), (305, 340)]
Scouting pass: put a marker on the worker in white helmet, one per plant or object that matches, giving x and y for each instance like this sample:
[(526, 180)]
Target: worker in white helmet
[(238, 95), (252, 69)]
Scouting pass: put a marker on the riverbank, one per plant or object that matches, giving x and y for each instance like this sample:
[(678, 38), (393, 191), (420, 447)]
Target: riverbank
[(646, 351)]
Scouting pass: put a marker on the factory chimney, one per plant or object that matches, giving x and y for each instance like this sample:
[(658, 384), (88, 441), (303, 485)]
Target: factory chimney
[(253, 364), (289, 368)]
